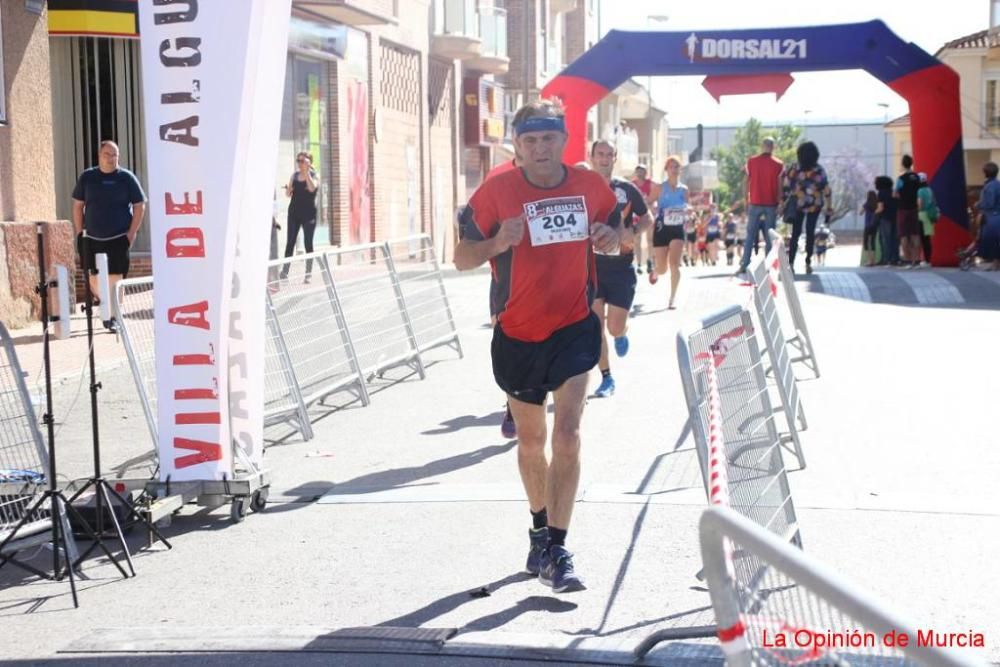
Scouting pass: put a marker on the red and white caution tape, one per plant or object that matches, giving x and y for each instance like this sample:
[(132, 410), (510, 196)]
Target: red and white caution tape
[(718, 350), (718, 480), (773, 262)]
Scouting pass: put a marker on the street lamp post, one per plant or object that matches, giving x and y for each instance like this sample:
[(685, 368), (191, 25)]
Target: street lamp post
[(650, 19), (885, 134), (805, 130)]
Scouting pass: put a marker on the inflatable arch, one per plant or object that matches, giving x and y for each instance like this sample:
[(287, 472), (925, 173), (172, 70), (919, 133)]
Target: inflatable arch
[(930, 87)]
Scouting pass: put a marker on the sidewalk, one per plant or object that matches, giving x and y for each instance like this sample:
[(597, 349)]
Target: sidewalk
[(394, 513)]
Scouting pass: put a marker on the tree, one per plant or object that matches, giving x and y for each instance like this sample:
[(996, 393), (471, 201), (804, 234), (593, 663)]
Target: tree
[(850, 180), (746, 144)]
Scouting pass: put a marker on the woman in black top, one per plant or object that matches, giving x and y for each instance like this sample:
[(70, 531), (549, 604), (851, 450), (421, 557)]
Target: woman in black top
[(301, 188), (871, 229)]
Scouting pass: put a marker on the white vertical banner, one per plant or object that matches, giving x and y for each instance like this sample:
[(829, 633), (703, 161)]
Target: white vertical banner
[(199, 59), (260, 122)]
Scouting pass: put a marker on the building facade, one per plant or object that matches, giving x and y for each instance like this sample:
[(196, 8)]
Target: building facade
[(405, 105), (27, 176)]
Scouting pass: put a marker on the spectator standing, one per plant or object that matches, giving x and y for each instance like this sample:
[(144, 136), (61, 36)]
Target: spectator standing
[(108, 206), (762, 185), (729, 236), (644, 241), (272, 253), (807, 183), (907, 215), (301, 189), (885, 213), (989, 206), (928, 212), (822, 241), (871, 229), (741, 235)]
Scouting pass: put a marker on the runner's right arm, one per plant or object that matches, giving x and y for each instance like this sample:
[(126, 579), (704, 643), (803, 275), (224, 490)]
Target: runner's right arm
[(474, 249)]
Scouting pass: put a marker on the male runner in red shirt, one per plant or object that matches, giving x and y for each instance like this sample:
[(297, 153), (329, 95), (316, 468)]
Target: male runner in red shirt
[(645, 185), (552, 218)]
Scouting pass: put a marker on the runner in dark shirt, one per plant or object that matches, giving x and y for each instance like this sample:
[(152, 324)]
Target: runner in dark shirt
[(616, 279)]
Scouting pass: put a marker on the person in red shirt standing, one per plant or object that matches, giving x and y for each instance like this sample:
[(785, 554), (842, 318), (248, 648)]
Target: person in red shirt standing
[(552, 219), (762, 185), (645, 185)]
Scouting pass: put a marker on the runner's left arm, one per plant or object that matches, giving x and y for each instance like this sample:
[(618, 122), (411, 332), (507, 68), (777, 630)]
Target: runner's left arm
[(605, 230), (644, 217), (138, 200)]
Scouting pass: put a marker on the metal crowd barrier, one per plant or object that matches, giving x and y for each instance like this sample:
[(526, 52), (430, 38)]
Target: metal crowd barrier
[(374, 308), (134, 312), (422, 286), (133, 309), (776, 606), (800, 339), (764, 289), (336, 318), (24, 475), (309, 332), (757, 478), (732, 421)]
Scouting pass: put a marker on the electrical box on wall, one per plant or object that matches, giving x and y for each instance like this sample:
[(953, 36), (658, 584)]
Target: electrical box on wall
[(482, 112)]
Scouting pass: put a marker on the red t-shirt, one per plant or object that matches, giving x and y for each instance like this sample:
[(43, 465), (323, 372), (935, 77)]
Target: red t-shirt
[(764, 171), (645, 187), (549, 275)]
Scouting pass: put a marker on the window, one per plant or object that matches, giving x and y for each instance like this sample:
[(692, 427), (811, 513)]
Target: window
[(991, 116), (3, 85)]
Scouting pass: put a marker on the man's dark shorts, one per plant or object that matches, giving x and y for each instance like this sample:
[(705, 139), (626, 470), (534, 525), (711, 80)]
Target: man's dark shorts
[(115, 249), (528, 371), (908, 223), (616, 285)]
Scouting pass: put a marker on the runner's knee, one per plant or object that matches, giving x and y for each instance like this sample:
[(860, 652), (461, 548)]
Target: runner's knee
[(531, 439), (566, 441)]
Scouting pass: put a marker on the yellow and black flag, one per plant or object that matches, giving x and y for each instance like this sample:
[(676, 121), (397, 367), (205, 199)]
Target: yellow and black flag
[(94, 18)]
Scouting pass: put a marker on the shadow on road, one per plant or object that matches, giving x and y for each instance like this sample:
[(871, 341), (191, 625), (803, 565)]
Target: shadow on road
[(398, 477), (466, 421), (450, 603), (529, 604)]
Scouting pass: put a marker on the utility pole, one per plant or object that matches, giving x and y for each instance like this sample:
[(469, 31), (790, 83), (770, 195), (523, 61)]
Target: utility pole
[(885, 135), (650, 19)]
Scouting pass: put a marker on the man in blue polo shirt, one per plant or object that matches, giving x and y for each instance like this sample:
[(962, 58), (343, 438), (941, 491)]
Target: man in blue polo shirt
[(108, 205)]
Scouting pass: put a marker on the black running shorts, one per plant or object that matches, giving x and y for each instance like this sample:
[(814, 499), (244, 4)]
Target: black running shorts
[(616, 285), (529, 371), (664, 234), (115, 249)]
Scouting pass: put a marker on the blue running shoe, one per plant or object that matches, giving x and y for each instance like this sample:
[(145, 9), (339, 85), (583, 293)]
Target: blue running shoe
[(557, 571), (508, 428), (621, 346), (539, 540), (606, 389)]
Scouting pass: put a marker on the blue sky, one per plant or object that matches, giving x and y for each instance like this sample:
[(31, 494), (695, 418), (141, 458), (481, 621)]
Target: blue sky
[(841, 96)]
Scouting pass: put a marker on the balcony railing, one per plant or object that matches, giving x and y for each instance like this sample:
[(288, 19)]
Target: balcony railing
[(456, 17), (493, 30)]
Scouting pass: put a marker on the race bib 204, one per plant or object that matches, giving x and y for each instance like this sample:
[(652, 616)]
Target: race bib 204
[(557, 220)]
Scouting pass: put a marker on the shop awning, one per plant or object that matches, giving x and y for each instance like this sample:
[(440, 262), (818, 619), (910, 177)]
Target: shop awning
[(94, 18)]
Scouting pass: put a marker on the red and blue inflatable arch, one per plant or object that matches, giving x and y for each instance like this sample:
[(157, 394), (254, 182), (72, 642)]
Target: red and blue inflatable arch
[(930, 87)]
